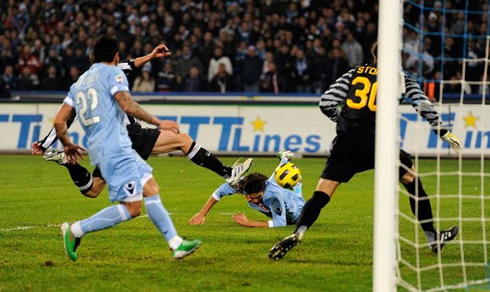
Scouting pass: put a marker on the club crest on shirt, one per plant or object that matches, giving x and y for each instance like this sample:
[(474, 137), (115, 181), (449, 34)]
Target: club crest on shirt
[(119, 78)]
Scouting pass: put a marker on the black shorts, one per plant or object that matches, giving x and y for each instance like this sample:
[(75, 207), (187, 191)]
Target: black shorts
[(354, 152), (143, 140)]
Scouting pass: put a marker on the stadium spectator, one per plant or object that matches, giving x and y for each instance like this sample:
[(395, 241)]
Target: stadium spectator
[(51, 82), (28, 60), (144, 82), (222, 82), (273, 82), (9, 78), (72, 77), (301, 73), (252, 70), (194, 81), (27, 80), (353, 50), (166, 78), (219, 58)]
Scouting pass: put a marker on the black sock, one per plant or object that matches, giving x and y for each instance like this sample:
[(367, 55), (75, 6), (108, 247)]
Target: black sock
[(312, 208), (204, 158), (80, 176), (416, 189)]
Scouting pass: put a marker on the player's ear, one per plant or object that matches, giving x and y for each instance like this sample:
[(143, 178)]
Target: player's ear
[(116, 59)]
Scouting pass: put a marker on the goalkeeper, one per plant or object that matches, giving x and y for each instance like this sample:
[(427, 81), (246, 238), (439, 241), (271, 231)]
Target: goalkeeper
[(353, 151), (272, 197)]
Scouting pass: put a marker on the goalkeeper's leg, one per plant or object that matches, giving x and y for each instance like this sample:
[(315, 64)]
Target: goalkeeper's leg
[(421, 207), (309, 214)]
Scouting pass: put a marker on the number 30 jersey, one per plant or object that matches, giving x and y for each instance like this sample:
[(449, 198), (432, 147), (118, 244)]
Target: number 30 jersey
[(99, 113), (351, 100)]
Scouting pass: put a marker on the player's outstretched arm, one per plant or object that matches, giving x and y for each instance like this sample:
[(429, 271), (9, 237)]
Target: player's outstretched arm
[(242, 220), (424, 107), (159, 51), (39, 147), (200, 217), (73, 151)]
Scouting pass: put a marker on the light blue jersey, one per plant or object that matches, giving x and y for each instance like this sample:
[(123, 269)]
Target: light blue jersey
[(100, 115), (282, 205), (104, 123)]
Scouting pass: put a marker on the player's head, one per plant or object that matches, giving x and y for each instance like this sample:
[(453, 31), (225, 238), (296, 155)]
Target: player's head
[(253, 186), (105, 49), (287, 175)]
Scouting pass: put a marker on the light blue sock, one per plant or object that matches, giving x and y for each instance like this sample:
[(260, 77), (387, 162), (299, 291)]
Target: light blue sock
[(160, 217), (106, 218)]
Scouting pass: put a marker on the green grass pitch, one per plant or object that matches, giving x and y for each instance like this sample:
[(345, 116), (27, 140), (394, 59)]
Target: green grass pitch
[(336, 253)]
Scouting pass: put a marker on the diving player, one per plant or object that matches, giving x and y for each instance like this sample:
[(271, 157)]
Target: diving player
[(101, 98), (282, 205)]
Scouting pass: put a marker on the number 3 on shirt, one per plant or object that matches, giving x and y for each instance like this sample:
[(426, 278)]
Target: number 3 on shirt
[(367, 94), (93, 100)]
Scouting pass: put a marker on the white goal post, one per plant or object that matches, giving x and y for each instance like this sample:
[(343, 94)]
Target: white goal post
[(386, 163)]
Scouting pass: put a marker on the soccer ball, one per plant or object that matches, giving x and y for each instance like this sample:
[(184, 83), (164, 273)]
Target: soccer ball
[(287, 175)]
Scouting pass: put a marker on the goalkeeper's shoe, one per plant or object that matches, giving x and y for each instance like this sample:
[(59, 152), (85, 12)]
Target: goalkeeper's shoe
[(70, 241), (56, 156), (238, 170), (285, 154), (186, 248), (279, 250), (443, 237)]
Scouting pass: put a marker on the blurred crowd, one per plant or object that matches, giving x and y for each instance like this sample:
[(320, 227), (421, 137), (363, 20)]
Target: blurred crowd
[(273, 46)]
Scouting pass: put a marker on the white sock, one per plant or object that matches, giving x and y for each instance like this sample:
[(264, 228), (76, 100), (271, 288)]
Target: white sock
[(175, 242), (76, 229)]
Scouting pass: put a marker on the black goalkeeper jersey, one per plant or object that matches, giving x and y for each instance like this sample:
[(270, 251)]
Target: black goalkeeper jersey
[(351, 101)]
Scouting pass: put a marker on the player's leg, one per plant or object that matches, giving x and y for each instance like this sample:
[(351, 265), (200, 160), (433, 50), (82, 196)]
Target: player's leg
[(80, 176), (160, 217), (420, 204), (169, 141), (125, 187)]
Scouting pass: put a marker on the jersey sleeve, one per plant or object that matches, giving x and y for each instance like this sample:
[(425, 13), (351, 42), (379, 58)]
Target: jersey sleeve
[(422, 105), (118, 81), (224, 190), (278, 210), (335, 95), (127, 66)]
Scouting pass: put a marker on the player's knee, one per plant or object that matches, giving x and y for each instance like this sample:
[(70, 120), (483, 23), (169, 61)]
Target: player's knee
[(134, 209), (91, 194), (151, 188)]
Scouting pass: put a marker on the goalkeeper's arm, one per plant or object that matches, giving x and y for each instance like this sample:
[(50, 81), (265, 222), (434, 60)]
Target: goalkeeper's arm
[(425, 108), (335, 95)]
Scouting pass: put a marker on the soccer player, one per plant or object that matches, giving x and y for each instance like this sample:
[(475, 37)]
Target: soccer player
[(101, 98), (282, 205), (353, 151), (145, 141)]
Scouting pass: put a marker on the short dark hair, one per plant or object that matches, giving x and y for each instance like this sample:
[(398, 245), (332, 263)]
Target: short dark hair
[(105, 49), (252, 183)]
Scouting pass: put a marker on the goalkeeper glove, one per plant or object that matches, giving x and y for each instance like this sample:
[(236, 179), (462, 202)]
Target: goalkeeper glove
[(453, 141)]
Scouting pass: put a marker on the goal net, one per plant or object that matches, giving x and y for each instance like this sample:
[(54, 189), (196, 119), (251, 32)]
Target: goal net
[(446, 49)]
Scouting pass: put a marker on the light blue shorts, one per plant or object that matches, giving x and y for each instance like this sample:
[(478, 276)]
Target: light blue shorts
[(125, 175)]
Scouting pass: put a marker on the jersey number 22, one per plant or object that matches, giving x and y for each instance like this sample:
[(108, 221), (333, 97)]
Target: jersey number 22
[(86, 100)]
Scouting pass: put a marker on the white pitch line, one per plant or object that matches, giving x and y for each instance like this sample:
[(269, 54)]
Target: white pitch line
[(20, 228)]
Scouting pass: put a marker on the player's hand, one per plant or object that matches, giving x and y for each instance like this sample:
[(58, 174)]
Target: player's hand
[(169, 125), (36, 148), (73, 153), (198, 219), (453, 141), (160, 51), (241, 219)]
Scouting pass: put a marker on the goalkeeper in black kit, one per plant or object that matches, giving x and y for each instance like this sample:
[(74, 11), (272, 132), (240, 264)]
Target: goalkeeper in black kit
[(354, 147)]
